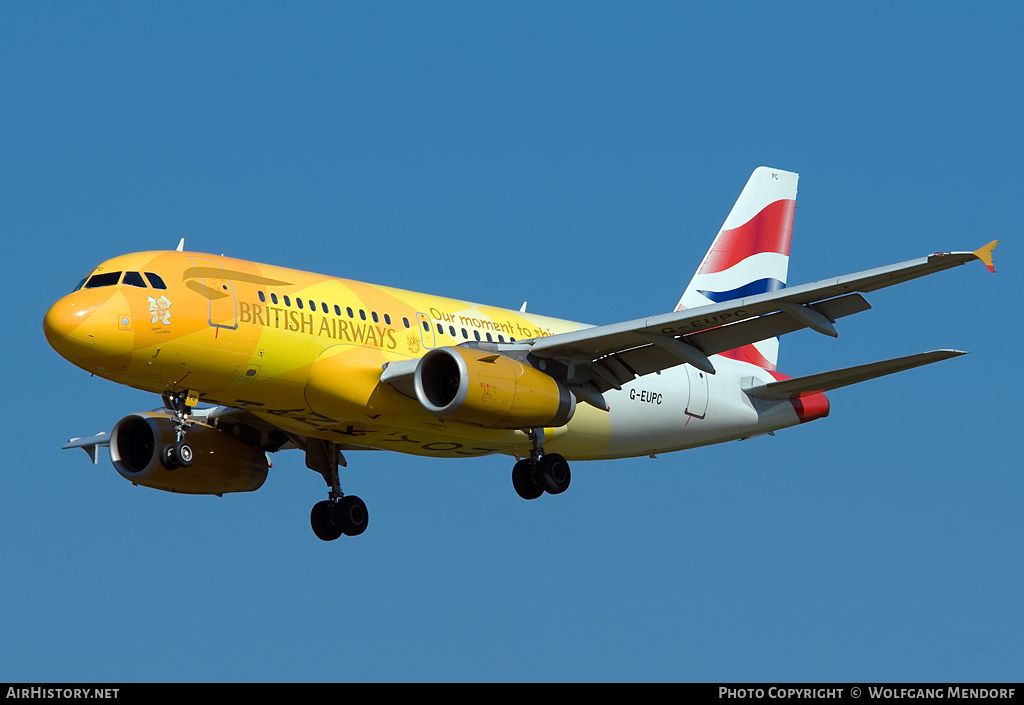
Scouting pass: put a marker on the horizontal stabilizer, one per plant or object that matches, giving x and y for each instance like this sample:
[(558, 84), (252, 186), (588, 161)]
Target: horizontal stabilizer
[(813, 384)]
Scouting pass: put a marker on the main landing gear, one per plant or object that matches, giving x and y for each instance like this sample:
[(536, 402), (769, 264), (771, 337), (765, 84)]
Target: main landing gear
[(541, 472), (338, 514), (178, 454)]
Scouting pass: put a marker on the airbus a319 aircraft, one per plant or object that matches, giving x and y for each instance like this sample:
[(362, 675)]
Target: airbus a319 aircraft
[(289, 359)]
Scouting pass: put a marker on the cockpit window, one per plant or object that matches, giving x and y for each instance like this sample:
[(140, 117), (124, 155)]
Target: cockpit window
[(105, 279), (133, 279), (80, 284), (156, 281)]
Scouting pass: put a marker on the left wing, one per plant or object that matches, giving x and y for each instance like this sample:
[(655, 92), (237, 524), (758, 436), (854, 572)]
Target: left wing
[(242, 424), (593, 360)]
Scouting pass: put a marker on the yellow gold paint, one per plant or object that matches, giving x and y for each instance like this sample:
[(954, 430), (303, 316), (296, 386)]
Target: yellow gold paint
[(985, 255), (303, 351), (504, 393)]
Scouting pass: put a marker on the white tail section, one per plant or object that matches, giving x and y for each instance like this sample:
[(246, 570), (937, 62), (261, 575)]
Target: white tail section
[(750, 254)]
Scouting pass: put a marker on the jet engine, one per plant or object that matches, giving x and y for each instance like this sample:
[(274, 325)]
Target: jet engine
[(490, 390), (221, 463)]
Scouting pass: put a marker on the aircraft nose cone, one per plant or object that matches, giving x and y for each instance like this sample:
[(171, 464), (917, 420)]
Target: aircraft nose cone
[(56, 323), (67, 324)]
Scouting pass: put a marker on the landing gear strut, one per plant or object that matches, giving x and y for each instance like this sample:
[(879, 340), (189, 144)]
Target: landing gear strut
[(338, 514), (541, 472), (178, 454)]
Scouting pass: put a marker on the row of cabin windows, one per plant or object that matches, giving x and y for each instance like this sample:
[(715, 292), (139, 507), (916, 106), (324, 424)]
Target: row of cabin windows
[(136, 279), (476, 334), (299, 303), (130, 279)]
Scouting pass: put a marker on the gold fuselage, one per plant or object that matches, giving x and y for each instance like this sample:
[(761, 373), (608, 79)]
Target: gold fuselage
[(300, 350)]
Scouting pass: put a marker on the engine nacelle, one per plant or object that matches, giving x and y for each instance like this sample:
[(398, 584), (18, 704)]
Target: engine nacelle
[(221, 462), (490, 390)]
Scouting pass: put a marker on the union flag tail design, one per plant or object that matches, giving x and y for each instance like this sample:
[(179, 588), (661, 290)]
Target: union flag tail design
[(750, 255)]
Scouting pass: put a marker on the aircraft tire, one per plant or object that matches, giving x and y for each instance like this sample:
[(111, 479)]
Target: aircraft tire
[(523, 482), (554, 473), (351, 515), (323, 522), (167, 457), (183, 454)]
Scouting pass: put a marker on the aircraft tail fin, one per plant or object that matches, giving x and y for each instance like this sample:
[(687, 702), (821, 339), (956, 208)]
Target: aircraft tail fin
[(750, 254)]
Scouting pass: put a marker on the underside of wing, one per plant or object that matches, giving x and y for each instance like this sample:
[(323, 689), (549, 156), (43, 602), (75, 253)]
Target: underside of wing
[(593, 360)]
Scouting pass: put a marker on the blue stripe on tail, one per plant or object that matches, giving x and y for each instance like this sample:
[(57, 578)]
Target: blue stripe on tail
[(761, 286)]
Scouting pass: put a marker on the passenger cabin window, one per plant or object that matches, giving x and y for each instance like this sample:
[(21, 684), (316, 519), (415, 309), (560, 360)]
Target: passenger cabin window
[(133, 279), (105, 279)]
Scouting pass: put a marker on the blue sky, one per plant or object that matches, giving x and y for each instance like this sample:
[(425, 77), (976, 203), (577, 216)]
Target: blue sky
[(580, 156)]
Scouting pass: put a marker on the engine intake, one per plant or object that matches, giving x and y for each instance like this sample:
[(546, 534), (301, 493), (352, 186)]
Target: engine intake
[(221, 463), (490, 390)]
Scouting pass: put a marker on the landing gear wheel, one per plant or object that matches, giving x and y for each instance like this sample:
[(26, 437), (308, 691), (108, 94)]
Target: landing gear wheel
[(523, 482), (351, 515), (167, 457), (554, 474), (323, 521), (183, 453)]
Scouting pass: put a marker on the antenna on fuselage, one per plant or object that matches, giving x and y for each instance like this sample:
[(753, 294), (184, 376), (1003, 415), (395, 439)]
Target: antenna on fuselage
[(522, 309), (181, 245)]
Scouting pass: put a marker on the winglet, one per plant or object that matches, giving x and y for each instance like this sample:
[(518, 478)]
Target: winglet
[(985, 255)]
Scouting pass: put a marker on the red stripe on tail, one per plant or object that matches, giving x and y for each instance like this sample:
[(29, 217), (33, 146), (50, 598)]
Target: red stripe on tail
[(769, 231)]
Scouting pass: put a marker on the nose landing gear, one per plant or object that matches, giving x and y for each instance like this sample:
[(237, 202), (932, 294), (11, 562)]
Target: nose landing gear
[(179, 454)]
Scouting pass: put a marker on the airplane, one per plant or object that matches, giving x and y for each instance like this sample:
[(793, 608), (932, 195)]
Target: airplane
[(285, 359)]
